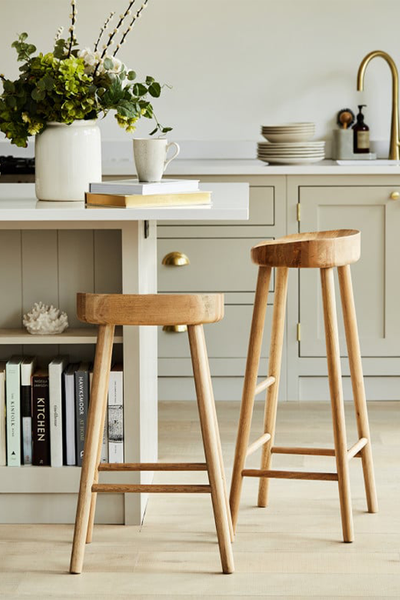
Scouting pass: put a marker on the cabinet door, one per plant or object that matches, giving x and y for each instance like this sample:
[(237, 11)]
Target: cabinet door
[(375, 277)]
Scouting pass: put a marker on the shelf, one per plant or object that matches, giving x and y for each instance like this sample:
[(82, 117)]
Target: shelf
[(78, 335), (51, 480)]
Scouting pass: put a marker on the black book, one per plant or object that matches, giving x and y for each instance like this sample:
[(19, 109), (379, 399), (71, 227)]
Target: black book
[(81, 408), (40, 418)]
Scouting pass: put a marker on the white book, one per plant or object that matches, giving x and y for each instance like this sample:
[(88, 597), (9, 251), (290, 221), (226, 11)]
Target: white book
[(28, 366), (3, 439), (69, 414), (104, 445), (134, 186), (116, 415), (13, 394), (56, 369)]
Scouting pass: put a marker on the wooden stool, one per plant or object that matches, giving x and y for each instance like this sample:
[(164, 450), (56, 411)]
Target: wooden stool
[(106, 311), (323, 250)]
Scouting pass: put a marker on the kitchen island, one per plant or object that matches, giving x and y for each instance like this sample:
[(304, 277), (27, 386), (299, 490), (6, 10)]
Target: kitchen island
[(49, 252)]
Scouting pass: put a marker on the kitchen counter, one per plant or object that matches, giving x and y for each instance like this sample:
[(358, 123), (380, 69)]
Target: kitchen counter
[(254, 167)]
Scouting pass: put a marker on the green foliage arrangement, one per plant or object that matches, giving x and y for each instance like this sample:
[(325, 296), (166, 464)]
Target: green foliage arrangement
[(69, 84)]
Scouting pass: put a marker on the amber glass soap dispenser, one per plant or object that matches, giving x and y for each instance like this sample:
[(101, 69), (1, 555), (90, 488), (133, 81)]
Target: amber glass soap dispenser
[(361, 134)]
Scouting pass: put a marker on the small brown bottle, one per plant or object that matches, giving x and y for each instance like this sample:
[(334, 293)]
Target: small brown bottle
[(361, 134)]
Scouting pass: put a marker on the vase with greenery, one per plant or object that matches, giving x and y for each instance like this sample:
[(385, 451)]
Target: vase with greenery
[(70, 84)]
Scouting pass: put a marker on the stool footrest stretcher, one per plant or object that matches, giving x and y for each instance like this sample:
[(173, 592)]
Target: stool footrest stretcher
[(266, 383), (289, 474), (152, 467), (154, 488)]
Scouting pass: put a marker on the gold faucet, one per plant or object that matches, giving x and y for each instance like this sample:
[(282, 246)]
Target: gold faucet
[(394, 128)]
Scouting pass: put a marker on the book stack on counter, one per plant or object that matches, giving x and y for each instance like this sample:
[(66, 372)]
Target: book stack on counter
[(131, 193), (44, 413)]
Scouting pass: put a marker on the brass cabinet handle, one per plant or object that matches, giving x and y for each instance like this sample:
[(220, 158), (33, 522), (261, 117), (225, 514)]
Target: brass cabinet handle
[(175, 328), (176, 259), (394, 195)]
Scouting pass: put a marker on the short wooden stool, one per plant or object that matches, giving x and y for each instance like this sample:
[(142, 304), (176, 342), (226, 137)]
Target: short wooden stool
[(106, 311), (322, 250)]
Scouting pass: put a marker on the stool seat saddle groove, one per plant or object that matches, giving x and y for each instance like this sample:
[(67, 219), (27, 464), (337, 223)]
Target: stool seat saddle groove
[(106, 311), (324, 250)]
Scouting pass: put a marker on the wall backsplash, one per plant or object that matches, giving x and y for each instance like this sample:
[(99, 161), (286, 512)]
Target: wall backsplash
[(234, 64)]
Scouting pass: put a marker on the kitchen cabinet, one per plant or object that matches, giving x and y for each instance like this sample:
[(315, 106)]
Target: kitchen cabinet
[(219, 261)]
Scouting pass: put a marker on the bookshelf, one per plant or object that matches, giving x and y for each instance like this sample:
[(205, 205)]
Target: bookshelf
[(49, 252)]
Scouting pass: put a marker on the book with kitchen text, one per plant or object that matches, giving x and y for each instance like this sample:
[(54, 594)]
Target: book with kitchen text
[(139, 201), (143, 188), (28, 366), (13, 408), (56, 369), (3, 439), (116, 415), (40, 418), (69, 446), (81, 408)]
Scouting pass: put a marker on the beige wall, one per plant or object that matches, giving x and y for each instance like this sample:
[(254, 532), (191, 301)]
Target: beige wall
[(236, 64)]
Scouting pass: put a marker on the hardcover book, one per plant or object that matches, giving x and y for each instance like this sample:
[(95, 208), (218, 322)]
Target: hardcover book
[(104, 445), (27, 368), (116, 415), (56, 368), (13, 403), (40, 418), (139, 201), (69, 446), (134, 186), (81, 408), (3, 440)]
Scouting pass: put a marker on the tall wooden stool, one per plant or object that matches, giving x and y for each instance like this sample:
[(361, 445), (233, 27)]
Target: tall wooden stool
[(323, 250), (106, 311)]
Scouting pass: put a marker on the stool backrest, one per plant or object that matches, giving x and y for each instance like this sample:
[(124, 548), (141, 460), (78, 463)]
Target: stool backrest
[(320, 249), (150, 309)]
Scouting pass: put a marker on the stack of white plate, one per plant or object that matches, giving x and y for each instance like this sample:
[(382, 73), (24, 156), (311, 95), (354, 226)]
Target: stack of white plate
[(289, 144)]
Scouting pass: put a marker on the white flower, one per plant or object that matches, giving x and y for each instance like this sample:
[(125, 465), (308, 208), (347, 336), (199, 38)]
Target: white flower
[(90, 59)]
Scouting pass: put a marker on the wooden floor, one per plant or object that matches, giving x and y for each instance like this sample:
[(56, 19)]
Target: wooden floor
[(292, 549)]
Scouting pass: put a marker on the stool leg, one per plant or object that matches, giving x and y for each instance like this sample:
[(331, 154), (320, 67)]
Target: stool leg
[(357, 381), (94, 433), (336, 393), (92, 513), (249, 387), (207, 421), (274, 370)]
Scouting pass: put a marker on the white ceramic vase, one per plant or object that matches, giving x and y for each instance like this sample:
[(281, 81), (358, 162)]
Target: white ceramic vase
[(67, 159)]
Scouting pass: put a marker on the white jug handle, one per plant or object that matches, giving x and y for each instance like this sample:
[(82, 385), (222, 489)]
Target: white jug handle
[(174, 155)]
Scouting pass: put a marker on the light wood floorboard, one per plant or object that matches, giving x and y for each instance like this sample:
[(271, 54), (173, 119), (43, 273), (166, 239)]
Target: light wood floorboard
[(292, 549)]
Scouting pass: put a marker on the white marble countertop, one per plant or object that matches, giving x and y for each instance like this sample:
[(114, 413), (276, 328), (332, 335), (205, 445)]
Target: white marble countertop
[(230, 201), (255, 167)]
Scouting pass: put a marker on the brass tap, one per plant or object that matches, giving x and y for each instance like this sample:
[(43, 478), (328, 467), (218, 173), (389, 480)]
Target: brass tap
[(394, 128)]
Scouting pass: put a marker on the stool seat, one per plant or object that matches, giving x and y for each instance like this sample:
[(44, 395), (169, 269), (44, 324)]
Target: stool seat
[(150, 309), (321, 250)]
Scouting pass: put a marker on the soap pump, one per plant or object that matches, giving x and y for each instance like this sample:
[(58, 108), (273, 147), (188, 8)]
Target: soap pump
[(360, 133)]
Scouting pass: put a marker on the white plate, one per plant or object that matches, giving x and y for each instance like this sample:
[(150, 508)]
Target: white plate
[(289, 137), (286, 125), (294, 161), (291, 155), (293, 144)]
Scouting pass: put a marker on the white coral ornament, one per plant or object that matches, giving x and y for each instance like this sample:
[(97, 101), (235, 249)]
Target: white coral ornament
[(45, 320)]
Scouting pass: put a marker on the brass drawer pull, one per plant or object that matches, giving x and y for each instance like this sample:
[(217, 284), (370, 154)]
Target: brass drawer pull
[(176, 259), (394, 195), (175, 328)]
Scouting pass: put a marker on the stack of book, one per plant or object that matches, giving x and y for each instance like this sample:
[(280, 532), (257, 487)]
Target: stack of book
[(44, 413), (131, 193)]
